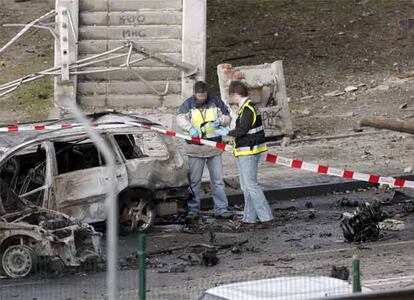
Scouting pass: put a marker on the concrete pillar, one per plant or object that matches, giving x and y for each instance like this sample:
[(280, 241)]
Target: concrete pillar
[(66, 89), (194, 40)]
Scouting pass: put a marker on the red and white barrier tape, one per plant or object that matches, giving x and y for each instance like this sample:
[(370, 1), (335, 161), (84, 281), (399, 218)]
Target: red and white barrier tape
[(40, 127), (271, 158)]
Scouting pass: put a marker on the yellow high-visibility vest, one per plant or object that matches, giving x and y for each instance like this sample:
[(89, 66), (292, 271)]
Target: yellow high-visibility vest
[(203, 119), (254, 141)]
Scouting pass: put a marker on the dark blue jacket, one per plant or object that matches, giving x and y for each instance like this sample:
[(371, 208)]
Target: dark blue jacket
[(212, 101)]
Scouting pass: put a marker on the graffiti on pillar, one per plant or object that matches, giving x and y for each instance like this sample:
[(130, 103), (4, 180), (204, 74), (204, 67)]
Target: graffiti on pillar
[(131, 19), (271, 117), (133, 33)]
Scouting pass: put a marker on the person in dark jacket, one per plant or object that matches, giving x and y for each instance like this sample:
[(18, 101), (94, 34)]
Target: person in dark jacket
[(248, 145)]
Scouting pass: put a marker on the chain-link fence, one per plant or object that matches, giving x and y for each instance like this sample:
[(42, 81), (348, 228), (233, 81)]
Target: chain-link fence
[(230, 268)]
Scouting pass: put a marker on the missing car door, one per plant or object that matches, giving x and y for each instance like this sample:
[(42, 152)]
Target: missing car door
[(25, 174)]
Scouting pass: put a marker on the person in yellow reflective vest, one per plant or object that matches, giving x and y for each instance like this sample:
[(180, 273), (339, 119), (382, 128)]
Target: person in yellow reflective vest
[(200, 116), (248, 145)]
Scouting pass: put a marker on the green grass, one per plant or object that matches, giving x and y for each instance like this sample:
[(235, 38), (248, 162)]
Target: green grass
[(30, 102)]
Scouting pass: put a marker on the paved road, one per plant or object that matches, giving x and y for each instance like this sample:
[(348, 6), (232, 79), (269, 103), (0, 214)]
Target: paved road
[(297, 245)]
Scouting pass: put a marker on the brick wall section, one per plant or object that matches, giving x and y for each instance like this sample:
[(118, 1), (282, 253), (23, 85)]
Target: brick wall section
[(153, 24)]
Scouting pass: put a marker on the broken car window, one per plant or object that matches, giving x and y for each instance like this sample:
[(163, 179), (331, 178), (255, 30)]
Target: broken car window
[(24, 174), (128, 146), (77, 155), (146, 144), (9, 201)]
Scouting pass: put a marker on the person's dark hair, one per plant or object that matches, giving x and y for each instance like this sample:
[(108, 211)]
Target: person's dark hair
[(200, 87), (238, 87)]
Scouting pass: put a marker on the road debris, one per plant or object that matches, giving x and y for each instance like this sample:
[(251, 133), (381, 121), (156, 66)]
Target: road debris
[(315, 247), (206, 223), (309, 204), (325, 234), (408, 170), (181, 268), (209, 257), (397, 197), (362, 225), (311, 214), (391, 224), (200, 249), (201, 255), (340, 272), (345, 202), (408, 206), (350, 89), (334, 94), (404, 106), (236, 249)]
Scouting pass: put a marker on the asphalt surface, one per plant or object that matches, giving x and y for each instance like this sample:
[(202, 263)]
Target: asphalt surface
[(305, 240)]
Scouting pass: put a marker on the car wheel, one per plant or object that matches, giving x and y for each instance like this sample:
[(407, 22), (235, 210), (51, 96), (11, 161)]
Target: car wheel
[(138, 215), (18, 261)]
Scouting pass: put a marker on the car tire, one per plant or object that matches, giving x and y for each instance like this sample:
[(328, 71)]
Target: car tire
[(18, 261), (137, 215)]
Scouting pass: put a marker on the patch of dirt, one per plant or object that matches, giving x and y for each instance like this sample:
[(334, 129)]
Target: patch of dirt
[(325, 46)]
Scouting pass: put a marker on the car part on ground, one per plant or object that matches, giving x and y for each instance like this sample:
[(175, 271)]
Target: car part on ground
[(362, 224)]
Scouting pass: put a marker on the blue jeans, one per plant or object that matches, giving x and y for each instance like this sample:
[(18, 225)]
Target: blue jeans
[(215, 168), (256, 206)]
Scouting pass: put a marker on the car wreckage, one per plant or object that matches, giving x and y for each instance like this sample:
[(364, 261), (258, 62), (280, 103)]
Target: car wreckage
[(50, 176), (31, 237)]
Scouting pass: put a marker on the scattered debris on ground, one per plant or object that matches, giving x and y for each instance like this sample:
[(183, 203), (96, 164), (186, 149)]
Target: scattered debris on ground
[(340, 272), (208, 223), (362, 224), (391, 224), (308, 205), (345, 202), (408, 206), (181, 268)]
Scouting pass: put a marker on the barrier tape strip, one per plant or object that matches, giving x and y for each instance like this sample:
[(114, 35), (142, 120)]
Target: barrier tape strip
[(270, 158)]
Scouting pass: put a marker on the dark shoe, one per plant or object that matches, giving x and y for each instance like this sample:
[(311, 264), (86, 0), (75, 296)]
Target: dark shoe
[(192, 215), (265, 225), (245, 226), (224, 215)]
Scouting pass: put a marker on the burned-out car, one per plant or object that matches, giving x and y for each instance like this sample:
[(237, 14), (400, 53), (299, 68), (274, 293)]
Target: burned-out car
[(62, 170), (31, 237)]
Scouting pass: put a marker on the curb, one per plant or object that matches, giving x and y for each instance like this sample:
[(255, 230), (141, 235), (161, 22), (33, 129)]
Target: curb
[(298, 188)]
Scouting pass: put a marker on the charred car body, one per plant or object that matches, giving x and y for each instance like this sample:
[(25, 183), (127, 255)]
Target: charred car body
[(62, 171), (31, 237)]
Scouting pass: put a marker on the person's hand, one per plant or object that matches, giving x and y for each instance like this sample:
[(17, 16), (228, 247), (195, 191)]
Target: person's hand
[(194, 132), (222, 131), (217, 123)]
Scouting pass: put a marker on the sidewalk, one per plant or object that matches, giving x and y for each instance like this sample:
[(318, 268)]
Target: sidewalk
[(383, 153)]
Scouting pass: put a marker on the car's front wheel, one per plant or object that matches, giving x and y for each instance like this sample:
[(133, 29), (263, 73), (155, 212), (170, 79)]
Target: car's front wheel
[(18, 261), (138, 215)]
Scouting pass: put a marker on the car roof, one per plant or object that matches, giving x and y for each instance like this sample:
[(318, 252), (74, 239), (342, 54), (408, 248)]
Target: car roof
[(282, 288), (12, 139)]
